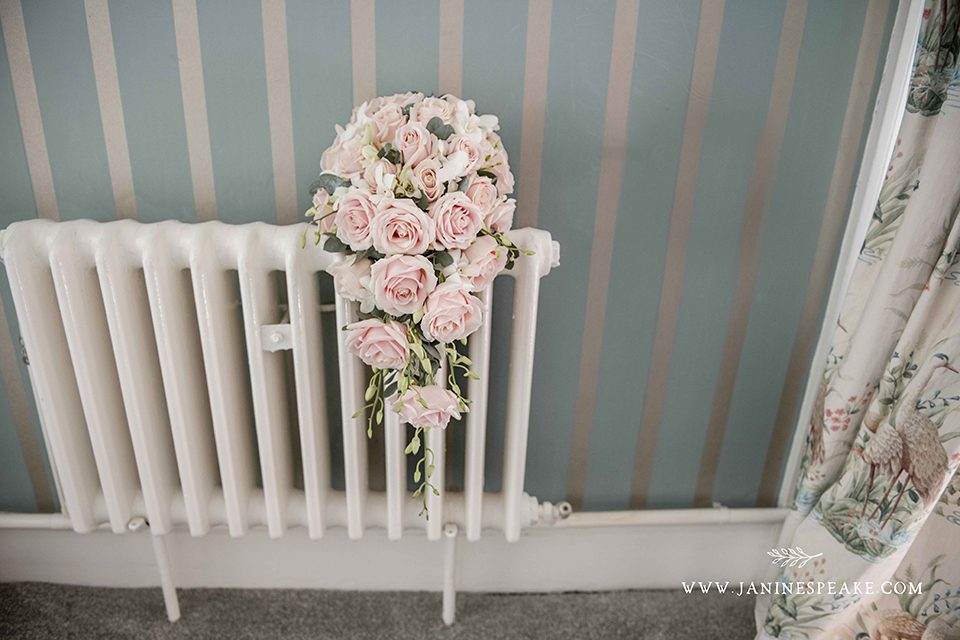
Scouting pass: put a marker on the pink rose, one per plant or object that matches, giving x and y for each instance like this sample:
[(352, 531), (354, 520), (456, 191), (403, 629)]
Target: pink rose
[(365, 110), (382, 345), (387, 120), (401, 283), (458, 220), (468, 147), (354, 219), (481, 262), (431, 108), (441, 406), (451, 313), (343, 157), (403, 99), (501, 218), (351, 280), (425, 179), (323, 215), (483, 193), (414, 143), (401, 227)]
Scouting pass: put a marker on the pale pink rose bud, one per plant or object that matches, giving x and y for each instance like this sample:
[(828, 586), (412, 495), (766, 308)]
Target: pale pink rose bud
[(451, 313), (401, 283), (501, 217), (351, 280), (430, 108), (386, 121), (414, 143), (354, 219), (481, 262), (382, 345), (441, 406), (401, 227), (328, 159), (379, 169), (458, 220), (483, 193), (425, 179), (468, 147), (324, 216), (500, 167)]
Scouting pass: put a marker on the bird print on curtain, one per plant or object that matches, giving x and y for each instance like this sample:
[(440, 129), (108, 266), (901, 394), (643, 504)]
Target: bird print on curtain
[(879, 493)]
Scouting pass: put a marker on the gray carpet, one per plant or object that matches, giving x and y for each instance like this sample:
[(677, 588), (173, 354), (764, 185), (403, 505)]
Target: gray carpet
[(35, 610)]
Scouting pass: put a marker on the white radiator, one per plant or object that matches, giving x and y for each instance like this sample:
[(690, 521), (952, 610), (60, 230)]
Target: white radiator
[(157, 358)]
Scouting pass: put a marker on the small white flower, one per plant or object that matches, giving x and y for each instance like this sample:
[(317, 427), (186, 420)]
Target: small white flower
[(454, 166)]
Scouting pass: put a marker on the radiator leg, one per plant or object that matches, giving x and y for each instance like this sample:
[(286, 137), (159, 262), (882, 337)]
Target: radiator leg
[(166, 579), (449, 574)]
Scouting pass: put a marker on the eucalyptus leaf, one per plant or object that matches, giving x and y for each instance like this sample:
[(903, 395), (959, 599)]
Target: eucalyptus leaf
[(334, 245), (329, 182), (487, 174), (423, 202), (437, 128), (442, 259)]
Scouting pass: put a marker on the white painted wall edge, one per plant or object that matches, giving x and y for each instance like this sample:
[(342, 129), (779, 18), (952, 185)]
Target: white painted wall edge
[(559, 558), (881, 139)]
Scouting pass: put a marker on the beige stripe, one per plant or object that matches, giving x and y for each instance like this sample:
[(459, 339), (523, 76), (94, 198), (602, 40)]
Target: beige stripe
[(831, 231), (195, 108), (605, 221), (22, 420), (451, 81), (279, 108), (28, 108), (451, 46), (363, 38), (701, 88), (764, 164), (534, 109), (111, 107)]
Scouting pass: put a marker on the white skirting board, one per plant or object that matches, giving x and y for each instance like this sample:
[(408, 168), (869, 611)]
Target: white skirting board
[(559, 558)]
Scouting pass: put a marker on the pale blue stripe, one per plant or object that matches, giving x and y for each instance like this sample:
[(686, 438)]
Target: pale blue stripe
[(16, 203), (231, 42), (663, 64), (146, 53), (60, 50), (408, 44), (824, 74), (320, 82), (16, 492), (16, 191), (878, 74), (744, 77), (495, 40), (580, 44)]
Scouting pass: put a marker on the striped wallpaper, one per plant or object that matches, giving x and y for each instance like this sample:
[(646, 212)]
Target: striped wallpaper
[(694, 158)]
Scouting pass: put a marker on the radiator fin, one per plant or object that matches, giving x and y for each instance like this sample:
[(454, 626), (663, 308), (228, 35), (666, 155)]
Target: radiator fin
[(138, 368), (177, 333), (260, 301), (221, 338), (84, 322)]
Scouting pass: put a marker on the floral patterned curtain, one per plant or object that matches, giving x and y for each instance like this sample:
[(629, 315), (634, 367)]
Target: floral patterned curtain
[(879, 495)]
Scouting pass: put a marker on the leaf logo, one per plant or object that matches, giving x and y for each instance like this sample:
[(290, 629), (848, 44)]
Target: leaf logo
[(792, 557)]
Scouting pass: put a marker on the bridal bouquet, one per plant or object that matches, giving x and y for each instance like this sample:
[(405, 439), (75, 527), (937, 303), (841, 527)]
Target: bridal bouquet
[(414, 193)]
